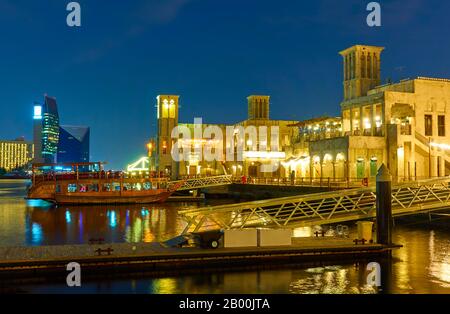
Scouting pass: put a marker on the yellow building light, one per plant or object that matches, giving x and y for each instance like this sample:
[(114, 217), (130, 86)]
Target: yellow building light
[(327, 158), (440, 146), (400, 152), (378, 121), (340, 157), (265, 155)]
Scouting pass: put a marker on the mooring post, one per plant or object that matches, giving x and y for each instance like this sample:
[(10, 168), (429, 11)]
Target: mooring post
[(384, 206)]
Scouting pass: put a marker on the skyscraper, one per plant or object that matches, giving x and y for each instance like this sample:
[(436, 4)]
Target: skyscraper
[(37, 133), (46, 130), (73, 144)]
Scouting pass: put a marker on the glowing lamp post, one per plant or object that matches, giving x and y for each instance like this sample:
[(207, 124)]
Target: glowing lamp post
[(150, 146)]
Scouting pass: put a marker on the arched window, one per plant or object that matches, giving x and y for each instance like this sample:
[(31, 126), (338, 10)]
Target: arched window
[(363, 65), (260, 109), (375, 67), (346, 65), (353, 66)]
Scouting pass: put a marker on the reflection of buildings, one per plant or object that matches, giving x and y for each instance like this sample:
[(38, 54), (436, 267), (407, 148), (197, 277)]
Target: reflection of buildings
[(15, 154), (402, 125), (255, 151), (46, 130), (122, 223), (73, 144)]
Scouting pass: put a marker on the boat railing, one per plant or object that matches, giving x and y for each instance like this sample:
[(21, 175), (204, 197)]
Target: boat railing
[(52, 176)]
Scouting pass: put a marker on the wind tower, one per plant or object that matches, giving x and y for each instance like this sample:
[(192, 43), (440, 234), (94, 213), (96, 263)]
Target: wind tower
[(361, 70), (167, 116)]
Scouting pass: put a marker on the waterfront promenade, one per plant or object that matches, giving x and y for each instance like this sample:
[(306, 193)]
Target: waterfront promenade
[(128, 257)]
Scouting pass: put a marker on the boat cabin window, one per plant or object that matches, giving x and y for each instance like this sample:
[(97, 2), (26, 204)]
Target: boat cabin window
[(93, 187), (71, 188)]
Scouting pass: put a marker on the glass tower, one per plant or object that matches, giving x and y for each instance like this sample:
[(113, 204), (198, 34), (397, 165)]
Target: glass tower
[(50, 130), (73, 144)]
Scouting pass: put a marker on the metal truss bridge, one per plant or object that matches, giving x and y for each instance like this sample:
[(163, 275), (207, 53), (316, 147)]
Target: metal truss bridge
[(319, 208), (204, 182)]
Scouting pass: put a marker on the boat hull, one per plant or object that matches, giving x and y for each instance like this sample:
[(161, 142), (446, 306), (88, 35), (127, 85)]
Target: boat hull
[(97, 187), (111, 199)]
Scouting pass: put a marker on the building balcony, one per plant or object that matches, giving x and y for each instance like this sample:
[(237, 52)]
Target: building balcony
[(312, 137)]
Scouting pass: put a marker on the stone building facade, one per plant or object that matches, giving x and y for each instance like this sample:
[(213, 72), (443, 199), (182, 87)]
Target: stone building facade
[(403, 125), (256, 150)]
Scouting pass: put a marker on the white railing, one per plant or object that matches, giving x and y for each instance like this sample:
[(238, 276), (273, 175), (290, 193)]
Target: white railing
[(203, 182), (319, 208)]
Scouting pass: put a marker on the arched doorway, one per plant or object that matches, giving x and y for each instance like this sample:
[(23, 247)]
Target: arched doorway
[(316, 167), (327, 166), (339, 166)]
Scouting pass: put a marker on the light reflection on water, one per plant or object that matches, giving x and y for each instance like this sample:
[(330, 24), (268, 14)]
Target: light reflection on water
[(36, 222), (439, 267), (421, 266)]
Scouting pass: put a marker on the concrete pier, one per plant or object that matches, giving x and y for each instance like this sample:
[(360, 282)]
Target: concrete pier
[(126, 257)]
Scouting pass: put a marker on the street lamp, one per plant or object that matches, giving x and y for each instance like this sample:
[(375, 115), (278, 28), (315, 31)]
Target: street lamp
[(150, 146)]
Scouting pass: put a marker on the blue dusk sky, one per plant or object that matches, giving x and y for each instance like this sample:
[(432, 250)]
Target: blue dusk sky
[(107, 73)]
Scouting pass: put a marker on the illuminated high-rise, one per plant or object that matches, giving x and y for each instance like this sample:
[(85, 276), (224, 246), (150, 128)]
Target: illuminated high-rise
[(46, 130), (37, 132), (15, 154)]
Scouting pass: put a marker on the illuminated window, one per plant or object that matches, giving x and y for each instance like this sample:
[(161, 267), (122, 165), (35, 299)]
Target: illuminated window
[(71, 188), (168, 108), (165, 108), (172, 109), (164, 148)]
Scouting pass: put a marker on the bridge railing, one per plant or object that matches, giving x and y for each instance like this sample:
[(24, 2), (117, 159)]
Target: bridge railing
[(319, 208), (202, 182), (326, 182)]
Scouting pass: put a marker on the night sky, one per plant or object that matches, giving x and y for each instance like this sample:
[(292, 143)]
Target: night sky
[(107, 73)]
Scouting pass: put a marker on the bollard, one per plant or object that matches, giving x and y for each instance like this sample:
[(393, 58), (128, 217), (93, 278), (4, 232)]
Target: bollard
[(384, 206)]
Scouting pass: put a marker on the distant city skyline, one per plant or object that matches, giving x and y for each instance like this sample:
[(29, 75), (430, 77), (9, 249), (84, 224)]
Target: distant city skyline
[(108, 73)]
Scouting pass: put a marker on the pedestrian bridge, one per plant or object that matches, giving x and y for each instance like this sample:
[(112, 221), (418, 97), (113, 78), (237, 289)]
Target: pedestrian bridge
[(202, 182), (319, 208)]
